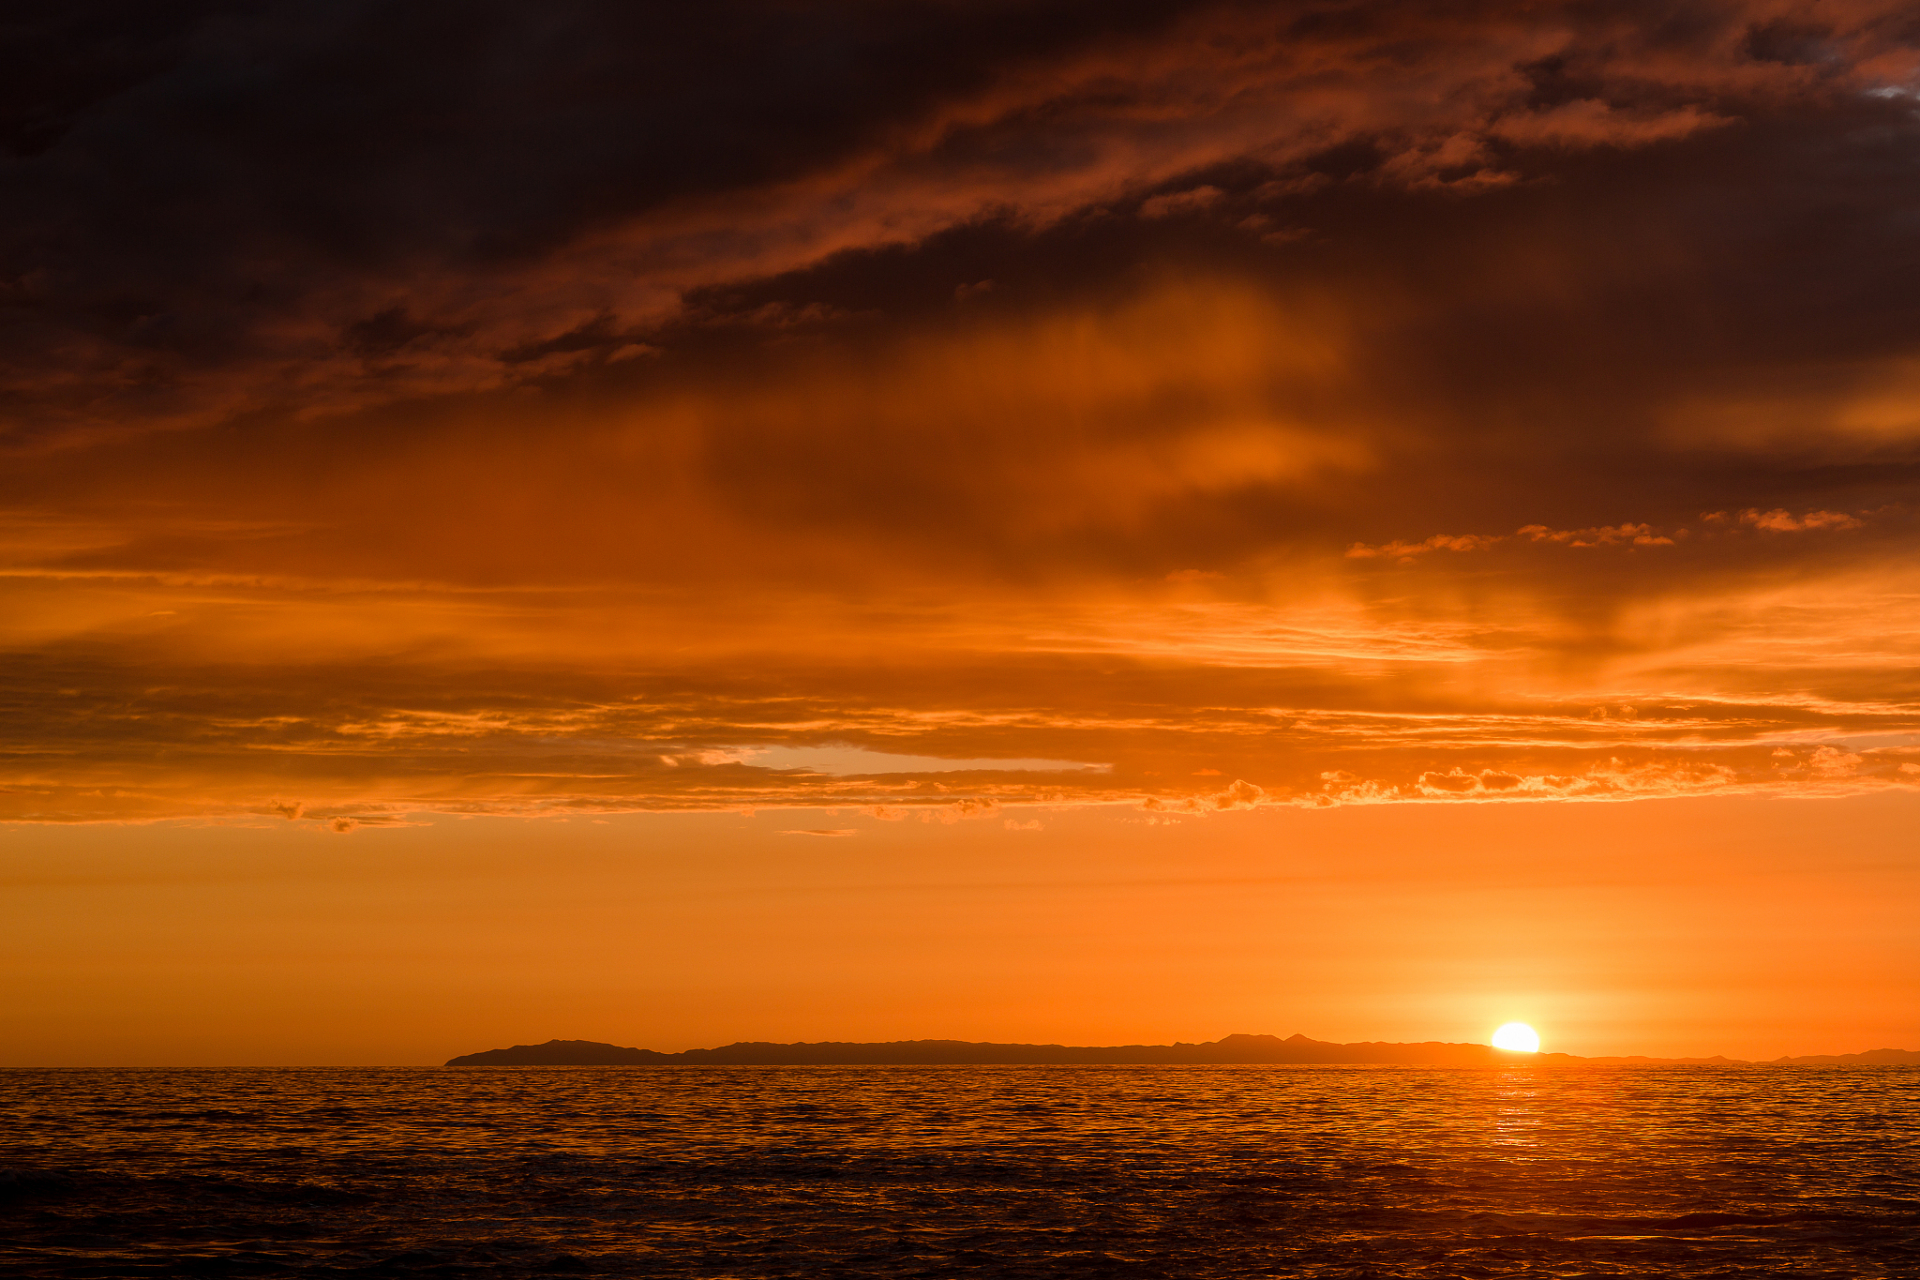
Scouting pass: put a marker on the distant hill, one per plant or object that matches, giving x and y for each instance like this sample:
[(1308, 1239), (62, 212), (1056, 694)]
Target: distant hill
[(562, 1053), (1871, 1058), (1250, 1049), (1230, 1049)]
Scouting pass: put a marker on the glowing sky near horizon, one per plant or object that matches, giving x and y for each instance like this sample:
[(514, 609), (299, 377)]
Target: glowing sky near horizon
[(937, 421)]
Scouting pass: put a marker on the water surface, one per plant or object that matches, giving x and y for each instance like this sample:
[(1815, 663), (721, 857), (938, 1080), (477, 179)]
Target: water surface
[(1140, 1171)]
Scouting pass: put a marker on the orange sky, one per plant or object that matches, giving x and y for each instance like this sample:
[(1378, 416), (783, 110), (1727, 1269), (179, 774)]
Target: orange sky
[(1416, 502), (1749, 926)]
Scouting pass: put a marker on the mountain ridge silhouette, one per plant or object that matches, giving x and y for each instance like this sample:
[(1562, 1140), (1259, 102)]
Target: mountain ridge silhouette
[(1238, 1048)]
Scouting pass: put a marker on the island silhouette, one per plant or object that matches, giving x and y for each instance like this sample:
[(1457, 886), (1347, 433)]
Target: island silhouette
[(1232, 1049)]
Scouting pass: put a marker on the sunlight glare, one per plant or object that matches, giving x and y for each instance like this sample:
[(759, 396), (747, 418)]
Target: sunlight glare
[(1517, 1037)]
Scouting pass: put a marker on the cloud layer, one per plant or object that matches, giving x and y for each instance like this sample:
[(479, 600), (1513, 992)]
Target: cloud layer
[(490, 408)]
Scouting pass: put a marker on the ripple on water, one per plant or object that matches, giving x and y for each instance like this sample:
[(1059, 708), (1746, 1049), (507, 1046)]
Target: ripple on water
[(936, 1171)]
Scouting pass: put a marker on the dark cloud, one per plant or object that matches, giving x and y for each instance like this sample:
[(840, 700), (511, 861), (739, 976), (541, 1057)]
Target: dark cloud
[(219, 209), (259, 189)]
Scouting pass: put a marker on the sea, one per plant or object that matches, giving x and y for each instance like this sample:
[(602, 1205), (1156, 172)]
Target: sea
[(1083, 1171)]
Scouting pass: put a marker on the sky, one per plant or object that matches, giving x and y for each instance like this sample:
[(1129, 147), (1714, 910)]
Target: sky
[(1062, 521)]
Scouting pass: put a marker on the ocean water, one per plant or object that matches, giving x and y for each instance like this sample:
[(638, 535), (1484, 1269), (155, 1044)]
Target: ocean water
[(962, 1171)]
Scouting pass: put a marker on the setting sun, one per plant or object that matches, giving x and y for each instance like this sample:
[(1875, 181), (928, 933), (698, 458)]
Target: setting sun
[(1517, 1037)]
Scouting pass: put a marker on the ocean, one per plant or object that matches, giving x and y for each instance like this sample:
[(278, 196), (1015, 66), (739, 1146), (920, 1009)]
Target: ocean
[(1141, 1171)]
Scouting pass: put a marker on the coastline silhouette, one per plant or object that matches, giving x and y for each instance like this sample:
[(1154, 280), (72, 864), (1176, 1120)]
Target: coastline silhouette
[(1233, 1049)]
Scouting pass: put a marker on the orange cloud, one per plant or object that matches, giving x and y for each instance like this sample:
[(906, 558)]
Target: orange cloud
[(1404, 551), (1781, 521), (1638, 535), (588, 503)]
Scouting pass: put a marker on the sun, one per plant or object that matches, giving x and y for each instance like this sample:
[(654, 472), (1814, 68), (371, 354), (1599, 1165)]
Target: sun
[(1517, 1037)]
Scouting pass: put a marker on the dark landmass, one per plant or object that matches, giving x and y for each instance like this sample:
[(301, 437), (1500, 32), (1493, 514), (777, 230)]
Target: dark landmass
[(1229, 1049), (1871, 1058)]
